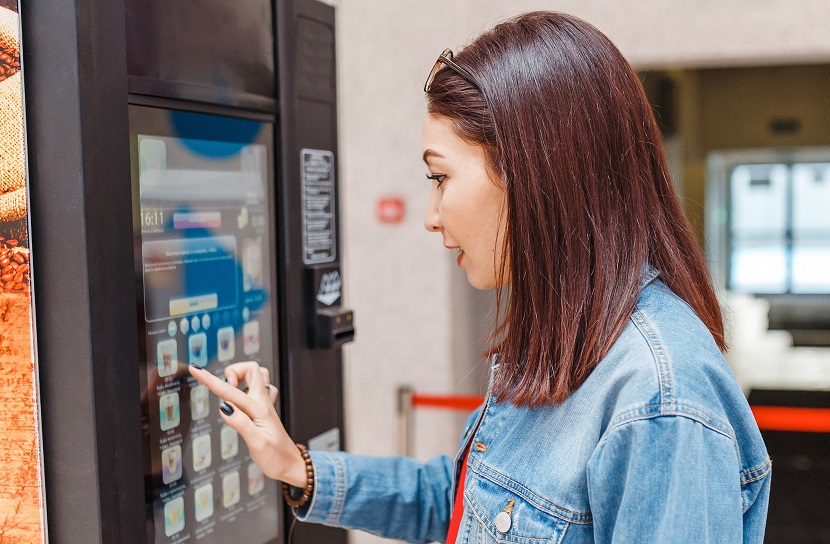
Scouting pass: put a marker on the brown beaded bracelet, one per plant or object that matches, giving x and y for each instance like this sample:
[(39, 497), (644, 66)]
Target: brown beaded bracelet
[(309, 486)]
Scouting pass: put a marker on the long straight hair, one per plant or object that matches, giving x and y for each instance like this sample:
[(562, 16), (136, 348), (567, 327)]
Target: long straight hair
[(570, 135)]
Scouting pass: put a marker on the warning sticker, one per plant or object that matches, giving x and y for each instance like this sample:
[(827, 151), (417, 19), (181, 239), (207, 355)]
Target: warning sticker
[(319, 236)]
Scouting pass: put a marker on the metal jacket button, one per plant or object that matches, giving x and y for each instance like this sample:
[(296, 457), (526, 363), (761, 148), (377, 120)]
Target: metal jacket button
[(504, 519), (503, 522)]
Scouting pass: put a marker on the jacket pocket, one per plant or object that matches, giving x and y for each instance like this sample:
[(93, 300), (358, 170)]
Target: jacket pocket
[(489, 508)]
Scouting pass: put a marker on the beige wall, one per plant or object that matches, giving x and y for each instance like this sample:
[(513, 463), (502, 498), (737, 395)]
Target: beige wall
[(418, 322)]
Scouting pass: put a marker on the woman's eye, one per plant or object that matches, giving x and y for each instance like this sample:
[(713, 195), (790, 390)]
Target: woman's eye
[(437, 177)]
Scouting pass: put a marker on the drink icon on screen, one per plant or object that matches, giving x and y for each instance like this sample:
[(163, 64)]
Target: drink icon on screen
[(250, 334), (225, 342), (252, 264), (171, 464), (230, 442), (230, 489), (203, 502), (201, 452), (168, 361), (256, 479), (197, 345), (174, 516), (169, 408), (199, 405)]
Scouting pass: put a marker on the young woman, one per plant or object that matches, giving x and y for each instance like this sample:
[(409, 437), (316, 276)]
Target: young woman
[(611, 414)]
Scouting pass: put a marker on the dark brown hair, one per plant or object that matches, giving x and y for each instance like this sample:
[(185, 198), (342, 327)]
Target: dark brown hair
[(569, 132)]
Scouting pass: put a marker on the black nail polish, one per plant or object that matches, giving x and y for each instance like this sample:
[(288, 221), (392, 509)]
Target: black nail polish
[(226, 408)]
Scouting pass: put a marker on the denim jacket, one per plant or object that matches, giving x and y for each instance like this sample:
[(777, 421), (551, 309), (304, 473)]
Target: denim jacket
[(658, 445)]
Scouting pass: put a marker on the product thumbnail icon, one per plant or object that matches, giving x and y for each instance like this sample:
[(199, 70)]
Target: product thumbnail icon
[(170, 414)]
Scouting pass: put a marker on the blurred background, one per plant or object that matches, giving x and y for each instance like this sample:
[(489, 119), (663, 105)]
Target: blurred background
[(742, 93)]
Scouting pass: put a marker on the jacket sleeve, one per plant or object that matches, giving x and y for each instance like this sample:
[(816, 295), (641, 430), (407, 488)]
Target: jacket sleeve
[(394, 497), (666, 479)]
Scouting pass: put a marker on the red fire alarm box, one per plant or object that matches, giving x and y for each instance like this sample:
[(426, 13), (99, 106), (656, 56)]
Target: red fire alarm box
[(391, 210)]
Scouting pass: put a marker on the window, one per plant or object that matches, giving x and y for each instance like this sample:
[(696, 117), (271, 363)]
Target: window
[(779, 228)]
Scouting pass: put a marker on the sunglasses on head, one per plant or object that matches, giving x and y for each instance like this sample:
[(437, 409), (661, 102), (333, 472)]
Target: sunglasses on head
[(445, 59)]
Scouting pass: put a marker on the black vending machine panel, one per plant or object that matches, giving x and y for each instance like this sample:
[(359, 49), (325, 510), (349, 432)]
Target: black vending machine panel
[(205, 225), (183, 163)]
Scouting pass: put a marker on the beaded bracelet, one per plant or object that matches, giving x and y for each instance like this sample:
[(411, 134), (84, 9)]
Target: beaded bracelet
[(309, 486)]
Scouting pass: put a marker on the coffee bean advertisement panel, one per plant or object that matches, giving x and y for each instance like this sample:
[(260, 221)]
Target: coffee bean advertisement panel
[(21, 490)]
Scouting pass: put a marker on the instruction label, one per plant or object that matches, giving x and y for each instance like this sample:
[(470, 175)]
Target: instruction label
[(319, 236)]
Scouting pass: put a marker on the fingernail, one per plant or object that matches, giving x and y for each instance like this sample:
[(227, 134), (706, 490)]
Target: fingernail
[(226, 408)]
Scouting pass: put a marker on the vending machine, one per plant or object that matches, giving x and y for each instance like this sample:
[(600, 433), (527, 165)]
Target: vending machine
[(184, 201)]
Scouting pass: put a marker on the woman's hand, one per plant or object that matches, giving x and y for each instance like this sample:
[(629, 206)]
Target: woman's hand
[(253, 416)]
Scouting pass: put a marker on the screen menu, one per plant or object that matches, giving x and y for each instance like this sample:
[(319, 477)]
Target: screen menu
[(204, 259)]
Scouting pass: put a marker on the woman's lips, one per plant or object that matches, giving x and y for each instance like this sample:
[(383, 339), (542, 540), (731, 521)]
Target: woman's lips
[(460, 256)]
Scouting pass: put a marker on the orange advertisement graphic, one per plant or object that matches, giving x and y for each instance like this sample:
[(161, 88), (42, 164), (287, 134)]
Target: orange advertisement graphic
[(21, 496)]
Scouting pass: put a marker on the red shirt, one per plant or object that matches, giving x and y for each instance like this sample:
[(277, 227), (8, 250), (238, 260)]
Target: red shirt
[(458, 506)]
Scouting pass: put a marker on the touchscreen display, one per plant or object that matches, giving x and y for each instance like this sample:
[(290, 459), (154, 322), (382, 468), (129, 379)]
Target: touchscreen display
[(204, 260)]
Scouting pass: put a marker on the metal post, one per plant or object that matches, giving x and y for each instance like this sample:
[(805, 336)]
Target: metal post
[(405, 422)]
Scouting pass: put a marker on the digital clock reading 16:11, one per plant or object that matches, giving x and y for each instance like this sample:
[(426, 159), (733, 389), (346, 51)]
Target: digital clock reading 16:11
[(152, 218)]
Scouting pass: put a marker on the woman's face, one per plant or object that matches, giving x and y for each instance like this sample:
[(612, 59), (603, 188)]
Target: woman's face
[(465, 205)]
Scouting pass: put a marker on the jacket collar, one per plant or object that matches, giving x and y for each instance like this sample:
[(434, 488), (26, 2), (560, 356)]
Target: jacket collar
[(647, 275)]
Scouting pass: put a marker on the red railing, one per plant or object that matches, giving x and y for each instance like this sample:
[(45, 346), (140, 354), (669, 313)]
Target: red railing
[(448, 402), (408, 401), (788, 418), (769, 418)]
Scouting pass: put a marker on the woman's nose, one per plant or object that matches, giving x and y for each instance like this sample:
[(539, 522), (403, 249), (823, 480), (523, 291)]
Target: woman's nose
[(432, 221)]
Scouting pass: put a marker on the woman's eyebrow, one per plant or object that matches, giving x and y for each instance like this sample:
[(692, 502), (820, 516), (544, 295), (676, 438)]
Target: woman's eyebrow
[(432, 153)]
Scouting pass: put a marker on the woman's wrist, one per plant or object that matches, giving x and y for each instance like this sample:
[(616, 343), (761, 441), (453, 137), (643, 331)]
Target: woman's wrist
[(295, 473)]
